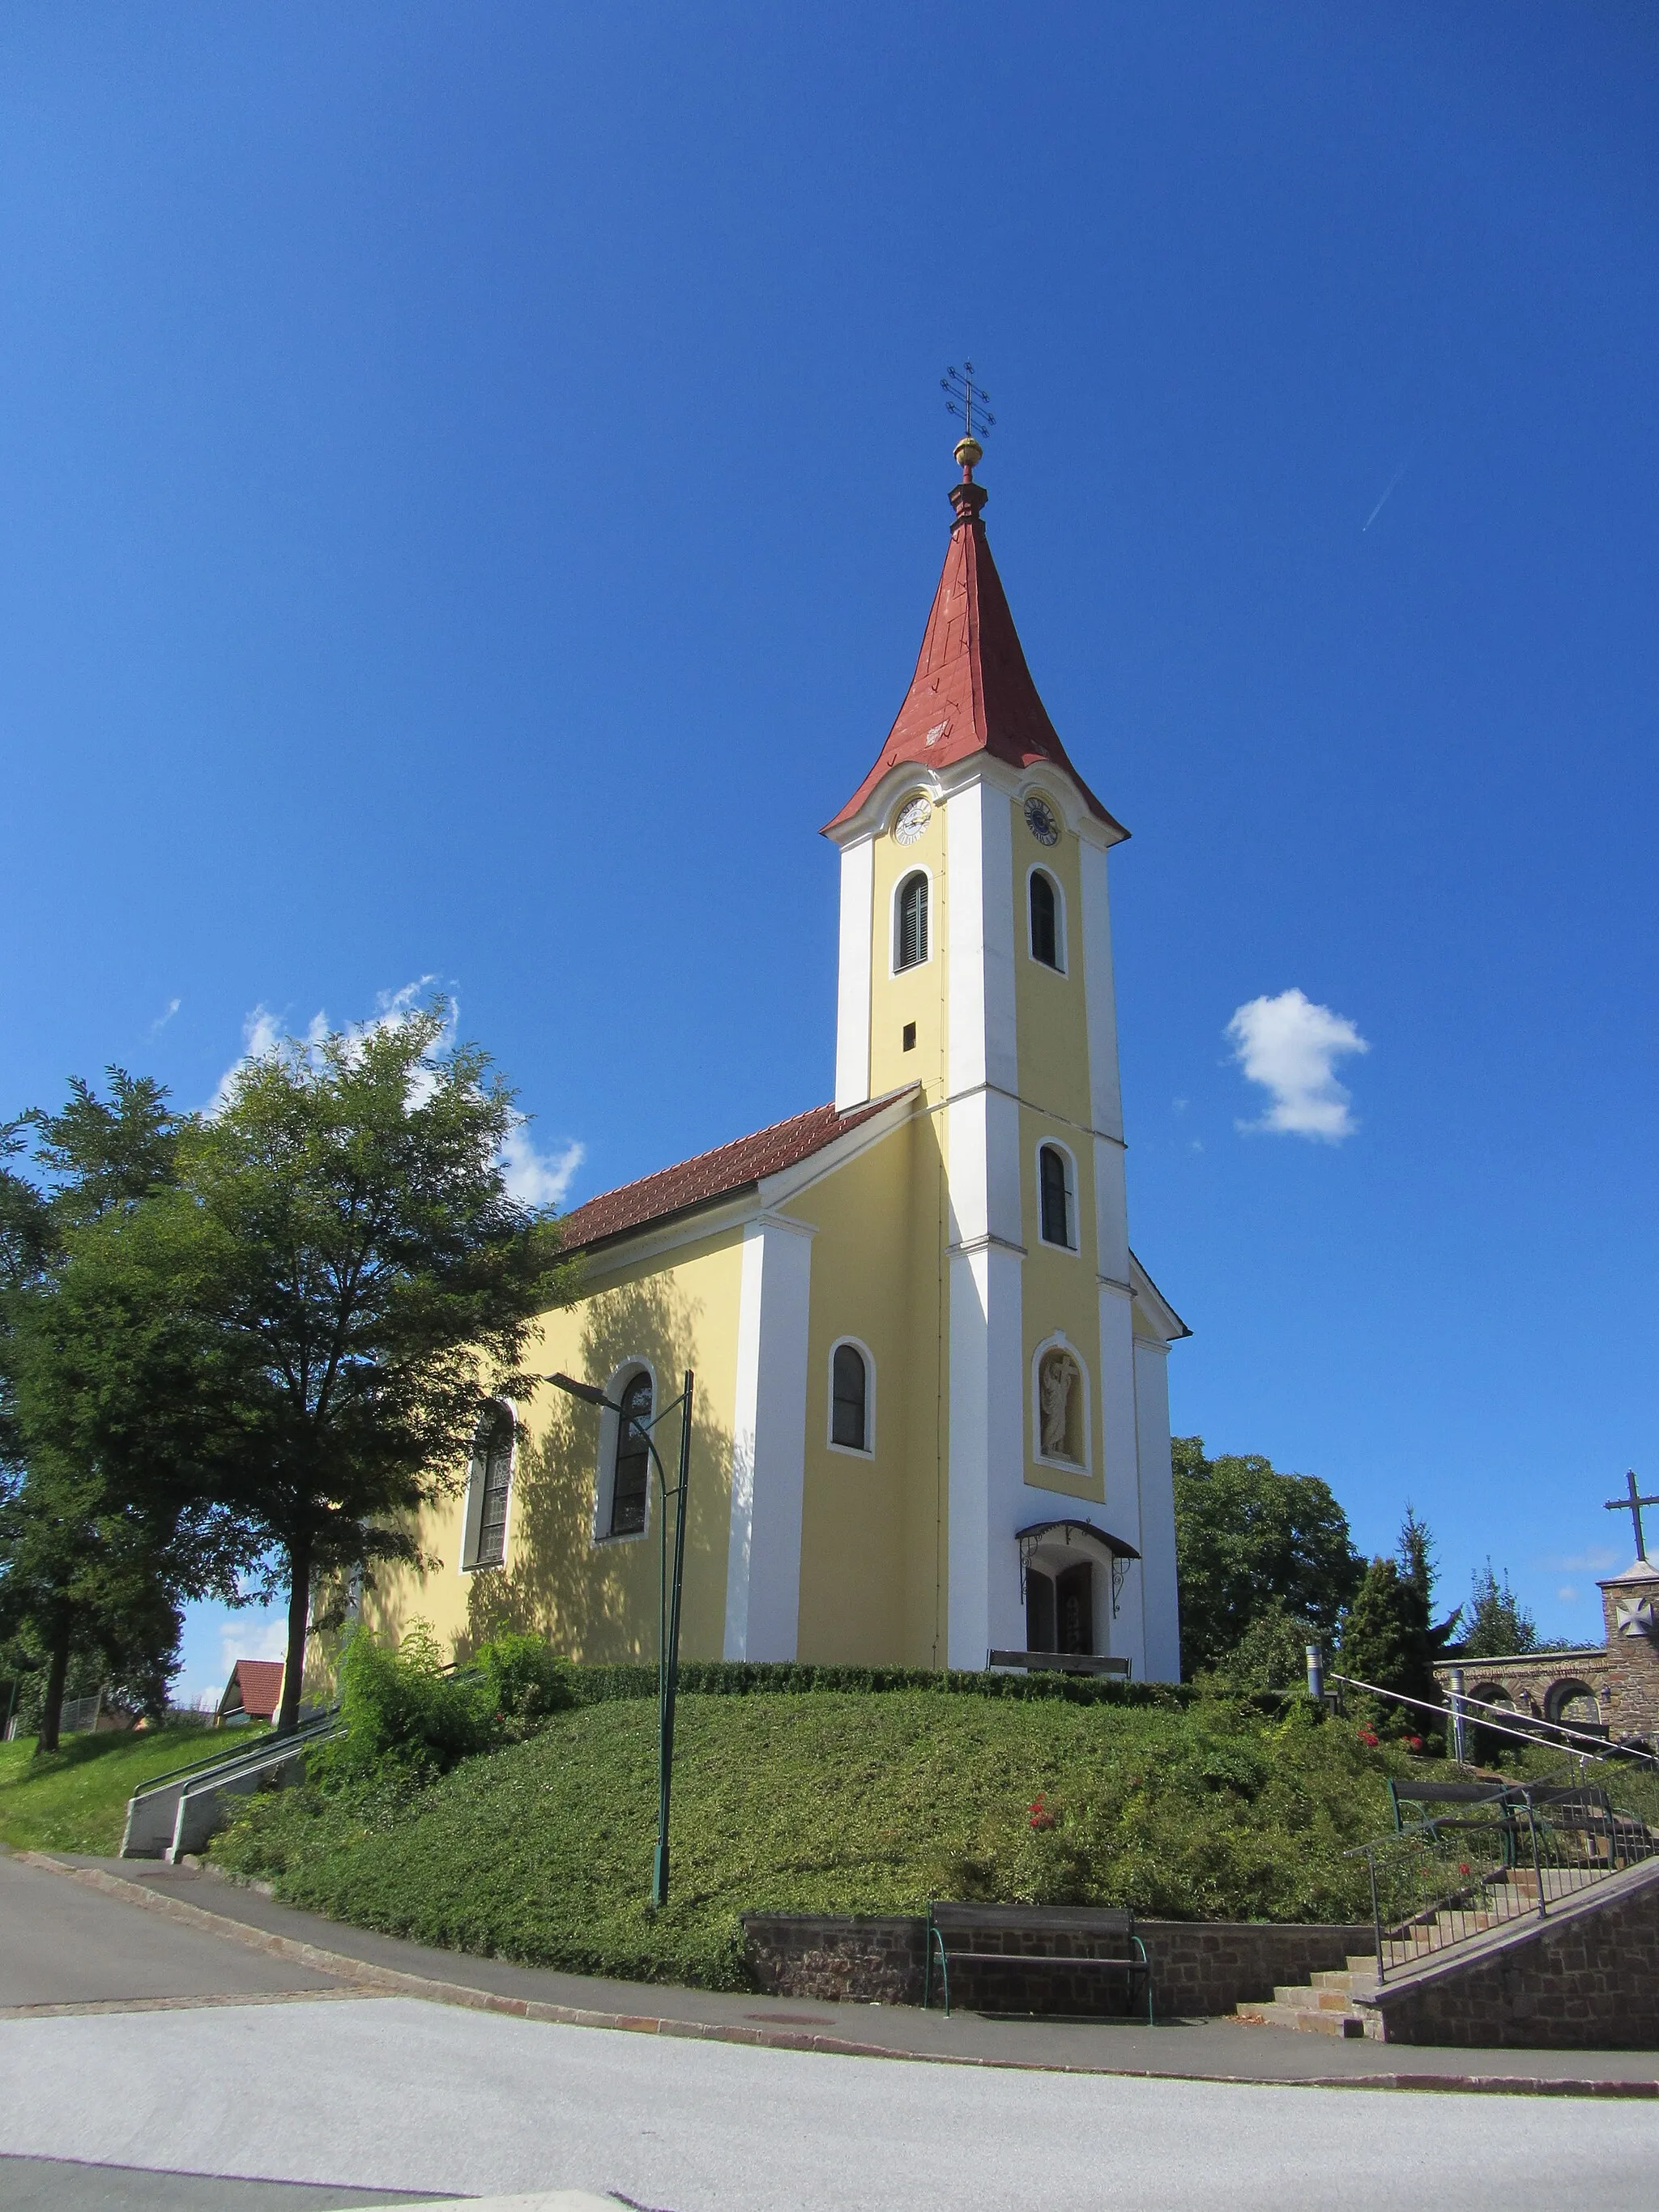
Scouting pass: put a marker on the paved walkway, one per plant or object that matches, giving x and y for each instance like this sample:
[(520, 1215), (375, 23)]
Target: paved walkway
[(238, 2078), (1203, 2049)]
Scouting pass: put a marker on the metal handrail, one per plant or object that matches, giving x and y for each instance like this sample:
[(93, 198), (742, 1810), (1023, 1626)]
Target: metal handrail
[(1533, 1736), (1486, 1888), (260, 1746)]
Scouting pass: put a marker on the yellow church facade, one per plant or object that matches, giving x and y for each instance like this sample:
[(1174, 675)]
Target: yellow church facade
[(930, 1420)]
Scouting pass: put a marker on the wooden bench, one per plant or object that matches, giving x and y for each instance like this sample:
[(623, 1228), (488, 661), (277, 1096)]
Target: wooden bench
[(962, 1932)]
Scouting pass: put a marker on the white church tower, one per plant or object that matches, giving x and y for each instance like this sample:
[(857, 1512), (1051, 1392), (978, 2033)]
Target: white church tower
[(976, 961)]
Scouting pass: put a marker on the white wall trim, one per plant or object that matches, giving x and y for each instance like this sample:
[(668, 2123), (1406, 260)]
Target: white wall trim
[(1060, 1342), (858, 863), (853, 1451), (768, 1447), (910, 871), (1073, 1217), (1064, 965), (1100, 995), (605, 1480)]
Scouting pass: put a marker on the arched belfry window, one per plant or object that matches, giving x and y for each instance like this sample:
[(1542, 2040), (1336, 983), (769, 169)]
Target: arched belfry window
[(492, 1480), (910, 920), (1046, 945), (631, 1473), (1054, 1197), (851, 1411)]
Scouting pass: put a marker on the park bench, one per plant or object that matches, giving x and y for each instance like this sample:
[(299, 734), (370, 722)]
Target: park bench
[(965, 1933)]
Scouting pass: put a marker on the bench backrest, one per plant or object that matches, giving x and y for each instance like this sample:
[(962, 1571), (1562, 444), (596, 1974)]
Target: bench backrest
[(1443, 1793), (1099, 1920)]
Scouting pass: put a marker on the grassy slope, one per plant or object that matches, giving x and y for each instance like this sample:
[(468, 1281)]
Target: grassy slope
[(836, 1802), (75, 1799)]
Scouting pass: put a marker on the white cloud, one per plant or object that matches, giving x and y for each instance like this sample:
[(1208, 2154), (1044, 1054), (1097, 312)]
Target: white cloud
[(253, 1639), (162, 1020), (1291, 1048), (539, 1178), (1567, 1593), (1599, 1560)]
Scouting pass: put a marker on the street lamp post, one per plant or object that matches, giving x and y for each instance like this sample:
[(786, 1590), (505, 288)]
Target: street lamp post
[(668, 1590)]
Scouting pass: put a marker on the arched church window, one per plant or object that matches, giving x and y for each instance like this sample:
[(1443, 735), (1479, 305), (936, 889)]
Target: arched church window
[(849, 1399), (1055, 1194), (911, 948), (630, 1478), (492, 1480), (1045, 919)]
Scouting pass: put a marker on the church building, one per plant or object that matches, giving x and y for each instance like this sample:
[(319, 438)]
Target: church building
[(931, 1417)]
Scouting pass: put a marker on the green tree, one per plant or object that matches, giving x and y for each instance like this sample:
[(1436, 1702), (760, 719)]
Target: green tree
[(1416, 1555), (324, 1303), (93, 1558), (1250, 1542), (1500, 1625), (1387, 1640)]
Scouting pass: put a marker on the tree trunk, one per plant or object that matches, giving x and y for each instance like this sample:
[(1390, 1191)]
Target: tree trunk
[(51, 1713), (299, 1616)]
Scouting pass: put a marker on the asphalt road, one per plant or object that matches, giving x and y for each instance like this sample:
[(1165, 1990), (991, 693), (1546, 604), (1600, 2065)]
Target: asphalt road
[(237, 2073)]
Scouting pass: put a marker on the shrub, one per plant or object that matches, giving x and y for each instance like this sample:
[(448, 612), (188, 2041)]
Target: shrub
[(405, 1717), (526, 1682)]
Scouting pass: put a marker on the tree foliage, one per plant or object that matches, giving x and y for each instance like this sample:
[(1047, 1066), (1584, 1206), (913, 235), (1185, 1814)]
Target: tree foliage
[(319, 1306), (1255, 1546), (1499, 1626)]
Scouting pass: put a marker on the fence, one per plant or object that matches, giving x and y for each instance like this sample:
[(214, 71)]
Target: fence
[(1510, 1857)]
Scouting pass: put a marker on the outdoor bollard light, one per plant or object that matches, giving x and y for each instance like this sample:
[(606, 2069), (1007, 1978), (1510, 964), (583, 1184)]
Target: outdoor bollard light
[(668, 1591), (1315, 1673)]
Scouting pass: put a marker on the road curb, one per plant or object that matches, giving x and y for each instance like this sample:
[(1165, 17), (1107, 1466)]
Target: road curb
[(395, 1981)]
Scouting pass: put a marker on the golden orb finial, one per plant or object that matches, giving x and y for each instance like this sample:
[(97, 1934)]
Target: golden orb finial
[(969, 454)]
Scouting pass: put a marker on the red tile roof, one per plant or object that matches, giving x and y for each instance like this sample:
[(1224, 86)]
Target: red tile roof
[(972, 691), (720, 1174), (260, 1683)]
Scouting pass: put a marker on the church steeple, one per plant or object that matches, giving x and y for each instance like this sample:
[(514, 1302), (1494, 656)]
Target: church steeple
[(972, 691)]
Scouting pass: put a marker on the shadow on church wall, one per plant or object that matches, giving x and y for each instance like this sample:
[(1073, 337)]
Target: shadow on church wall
[(599, 1602)]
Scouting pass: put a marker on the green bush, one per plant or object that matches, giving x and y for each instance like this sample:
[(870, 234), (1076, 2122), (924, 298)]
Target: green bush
[(525, 1681), (406, 1719)]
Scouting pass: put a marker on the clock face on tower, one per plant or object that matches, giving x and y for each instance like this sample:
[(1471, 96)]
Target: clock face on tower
[(913, 817), (1040, 821)]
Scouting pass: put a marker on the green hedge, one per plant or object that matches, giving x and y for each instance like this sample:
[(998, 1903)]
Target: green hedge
[(735, 1678)]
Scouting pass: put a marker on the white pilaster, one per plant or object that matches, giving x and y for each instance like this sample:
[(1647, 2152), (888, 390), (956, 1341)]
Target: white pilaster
[(1157, 1573), (979, 856), (768, 1452), (988, 1458), (852, 989), (1105, 1097)]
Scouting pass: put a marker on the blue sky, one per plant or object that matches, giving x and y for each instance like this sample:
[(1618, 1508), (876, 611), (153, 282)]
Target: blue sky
[(472, 482)]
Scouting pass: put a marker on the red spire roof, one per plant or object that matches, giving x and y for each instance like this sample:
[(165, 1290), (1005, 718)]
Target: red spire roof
[(972, 691)]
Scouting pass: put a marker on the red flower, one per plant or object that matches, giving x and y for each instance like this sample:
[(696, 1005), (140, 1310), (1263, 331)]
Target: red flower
[(1463, 1868), (1367, 1737), (1044, 1815), (1414, 1743)]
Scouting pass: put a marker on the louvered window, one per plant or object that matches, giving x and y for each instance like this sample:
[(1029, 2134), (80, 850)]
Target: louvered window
[(1056, 1197), (492, 1471), (631, 1476), (1045, 919), (912, 947)]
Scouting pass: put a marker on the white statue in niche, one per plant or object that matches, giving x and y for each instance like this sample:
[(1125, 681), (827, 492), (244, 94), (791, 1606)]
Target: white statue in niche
[(1057, 1378)]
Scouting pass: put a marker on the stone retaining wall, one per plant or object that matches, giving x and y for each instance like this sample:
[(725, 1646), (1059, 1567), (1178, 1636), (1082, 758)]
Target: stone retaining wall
[(1199, 1968), (1586, 1979)]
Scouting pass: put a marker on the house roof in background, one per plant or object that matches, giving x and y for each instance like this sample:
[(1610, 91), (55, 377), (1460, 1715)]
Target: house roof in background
[(255, 1687)]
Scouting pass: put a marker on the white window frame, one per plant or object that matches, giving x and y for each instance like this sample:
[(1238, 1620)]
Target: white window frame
[(1062, 965), (1060, 1342), (472, 1523), (621, 1376), (1073, 1211), (853, 1451), (912, 868)]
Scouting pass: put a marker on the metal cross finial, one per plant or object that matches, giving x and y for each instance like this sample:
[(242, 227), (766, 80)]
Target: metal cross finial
[(1633, 1505), (967, 400)]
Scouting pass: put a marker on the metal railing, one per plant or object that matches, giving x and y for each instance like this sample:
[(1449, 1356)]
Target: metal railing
[(1449, 1878), (1559, 1735)]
